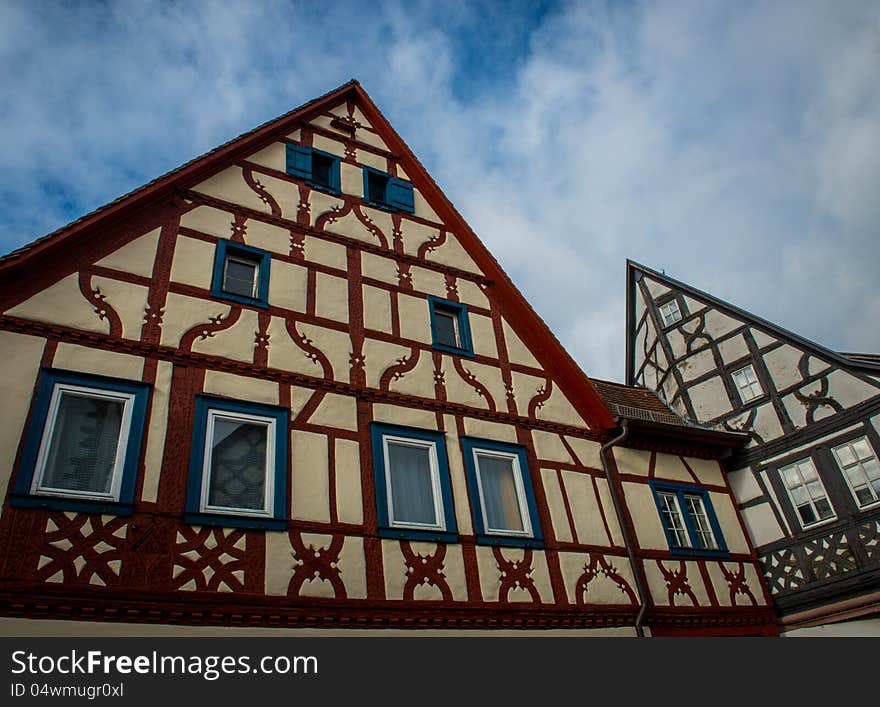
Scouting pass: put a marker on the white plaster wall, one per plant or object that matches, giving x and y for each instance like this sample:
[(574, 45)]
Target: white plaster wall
[(697, 364), (643, 509), (288, 286), (128, 301), (349, 500), (849, 390), (558, 516), (156, 431), (729, 522), (379, 268), (744, 485), (399, 415), (710, 399), (601, 590), (414, 318), (733, 349), (193, 262), (767, 423), (669, 467), (585, 509), (762, 524), (655, 288), (484, 429), (490, 580), (419, 381), (267, 236), (517, 351), (707, 471), (718, 324), (460, 497), (587, 451), (236, 342), (310, 492), (317, 250), (331, 297), (549, 447), (378, 356), (229, 185), (632, 461), (207, 219), (83, 359), (230, 385), (274, 157), (62, 303), (136, 257), (782, 364), (483, 335), (377, 309), (336, 345)]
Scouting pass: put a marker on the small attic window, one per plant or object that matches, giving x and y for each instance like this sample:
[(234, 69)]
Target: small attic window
[(450, 328), (670, 313), (387, 192), (319, 169), (241, 274)]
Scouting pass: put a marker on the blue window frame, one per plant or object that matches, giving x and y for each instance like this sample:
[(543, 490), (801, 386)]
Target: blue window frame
[(238, 465), (241, 274), (688, 520), (387, 192), (413, 489), (319, 169), (450, 328), (502, 498), (83, 445)]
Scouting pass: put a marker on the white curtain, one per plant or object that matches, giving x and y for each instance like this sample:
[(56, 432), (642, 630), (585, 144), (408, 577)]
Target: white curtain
[(499, 494), (238, 465), (412, 494)]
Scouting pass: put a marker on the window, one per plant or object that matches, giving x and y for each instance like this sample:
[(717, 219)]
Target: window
[(387, 192), (859, 465), (502, 499), (319, 169), (688, 519), (670, 313), (241, 274), (83, 444), (806, 492), (747, 384), (450, 329), (238, 464), (413, 491)]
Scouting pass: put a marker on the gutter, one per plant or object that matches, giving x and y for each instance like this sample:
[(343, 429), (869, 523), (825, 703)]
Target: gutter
[(624, 526)]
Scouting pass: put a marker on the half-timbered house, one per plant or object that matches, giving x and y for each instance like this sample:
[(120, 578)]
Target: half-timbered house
[(286, 386), (808, 480)]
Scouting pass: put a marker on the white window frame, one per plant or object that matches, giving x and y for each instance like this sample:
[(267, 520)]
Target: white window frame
[(439, 511), (745, 370), (255, 284), (37, 487), (676, 507), (819, 521), (858, 463), (269, 479), (698, 529), (443, 312), (524, 514), (670, 316)]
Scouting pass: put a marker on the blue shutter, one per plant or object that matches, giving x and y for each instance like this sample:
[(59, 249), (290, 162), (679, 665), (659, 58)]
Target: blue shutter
[(334, 176), (299, 161), (400, 195)]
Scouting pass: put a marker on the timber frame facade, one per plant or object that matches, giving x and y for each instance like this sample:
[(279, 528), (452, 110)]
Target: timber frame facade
[(806, 482), (217, 385)]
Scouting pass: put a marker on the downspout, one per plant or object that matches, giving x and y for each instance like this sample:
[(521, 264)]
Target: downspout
[(624, 527)]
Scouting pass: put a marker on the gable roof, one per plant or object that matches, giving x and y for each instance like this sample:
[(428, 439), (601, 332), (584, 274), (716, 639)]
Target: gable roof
[(867, 362), (16, 266)]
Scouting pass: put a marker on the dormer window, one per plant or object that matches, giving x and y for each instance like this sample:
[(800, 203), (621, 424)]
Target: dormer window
[(747, 383)]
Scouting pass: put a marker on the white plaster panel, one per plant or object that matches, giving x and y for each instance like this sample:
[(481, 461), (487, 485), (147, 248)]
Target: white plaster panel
[(676, 341), (453, 571), (762, 524), (585, 509), (21, 363), (379, 356), (754, 582), (285, 355), (377, 309), (279, 563), (697, 364), (229, 185), (470, 293), (371, 159), (762, 339), (350, 226), (770, 492), (549, 447), (608, 508), (452, 253), (643, 509), (725, 511), (667, 466), (414, 234), (489, 376), (710, 399), (288, 285), (128, 300), (484, 429), (631, 461), (718, 324), (326, 144), (483, 335), (370, 138), (294, 136), (490, 575), (336, 345), (458, 390), (586, 450), (207, 219), (410, 417), (876, 422), (267, 237), (321, 203), (733, 349), (655, 288), (558, 409), (558, 516), (379, 268), (310, 490), (601, 589), (430, 281), (419, 381), (395, 569), (816, 365), (230, 385), (349, 500), (460, 498), (744, 485), (183, 312), (719, 582), (414, 319), (136, 256), (333, 255), (782, 364), (693, 306), (517, 351), (274, 157), (236, 342), (767, 423), (849, 390), (359, 117), (423, 208), (331, 297), (64, 304), (351, 180), (156, 431), (83, 359), (193, 263), (707, 471), (797, 413), (338, 411)]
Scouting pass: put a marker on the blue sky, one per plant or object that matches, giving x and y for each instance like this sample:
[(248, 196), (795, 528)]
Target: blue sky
[(734, 145)]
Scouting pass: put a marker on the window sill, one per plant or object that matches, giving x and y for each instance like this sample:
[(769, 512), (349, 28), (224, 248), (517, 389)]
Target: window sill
[(59, 503), (467, 353), (323, 188), (440, 536), (690, 552), (509, 541), (235, 521), (252, 301)]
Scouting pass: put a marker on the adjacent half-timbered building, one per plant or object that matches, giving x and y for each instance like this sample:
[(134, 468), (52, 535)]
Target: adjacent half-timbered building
[(808, 480), (286, 386)]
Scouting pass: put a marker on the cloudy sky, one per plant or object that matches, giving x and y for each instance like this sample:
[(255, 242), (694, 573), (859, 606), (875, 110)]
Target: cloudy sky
[(734, 145)]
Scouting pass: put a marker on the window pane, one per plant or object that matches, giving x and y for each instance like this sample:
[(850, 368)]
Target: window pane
[(864, 496), (672, 519), (376, 187), (444, 324), (321, 167), (239, 278), (238, 464), (82, 452), (808, 471), (872, 469), (499, 494), (824, 508), (704, 540), (807, 514), (792, 478), (844, 455), (799, 495), (862, 449), (412, 493)]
